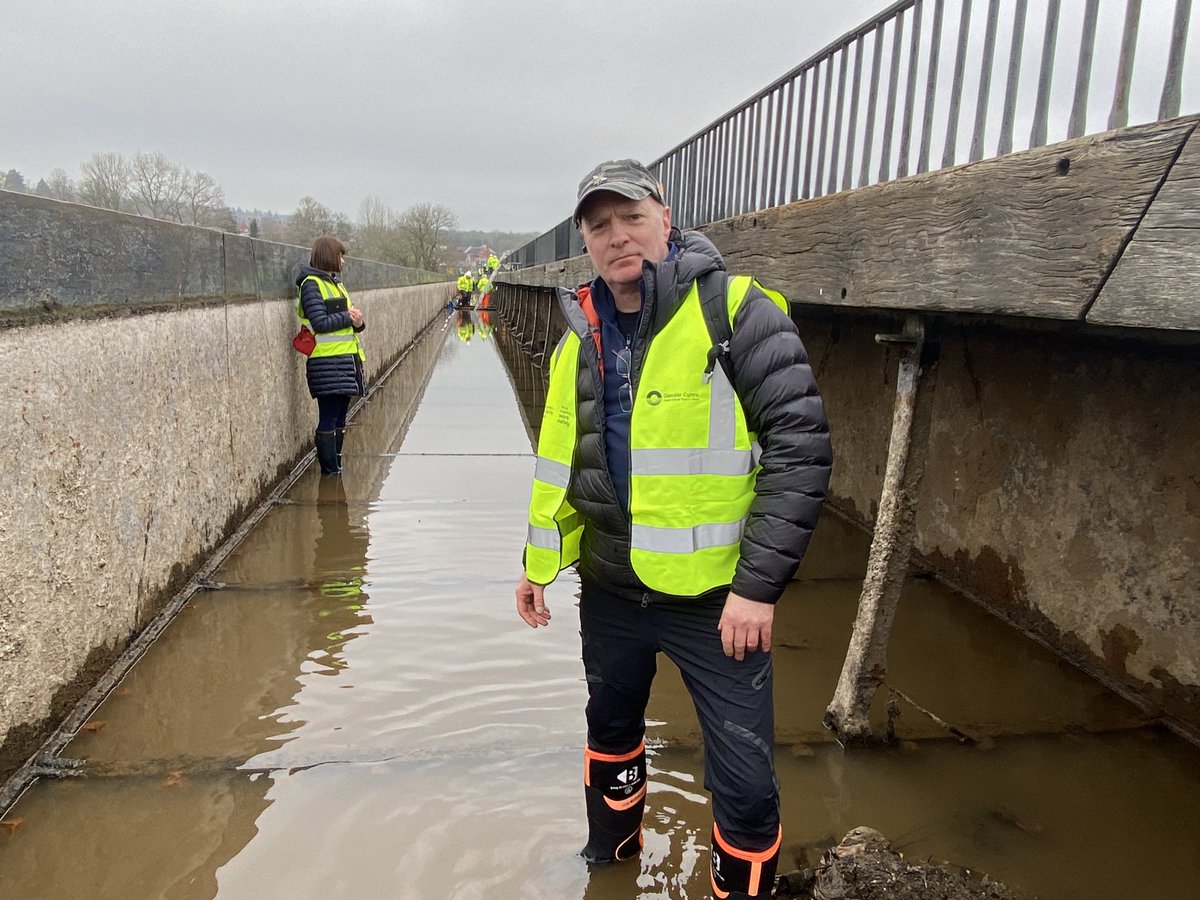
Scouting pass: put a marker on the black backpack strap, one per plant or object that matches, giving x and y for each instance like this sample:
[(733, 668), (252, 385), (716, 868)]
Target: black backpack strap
[(713, 287)]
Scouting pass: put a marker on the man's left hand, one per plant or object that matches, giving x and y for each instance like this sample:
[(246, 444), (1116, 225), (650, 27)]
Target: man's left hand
[(745, 625)]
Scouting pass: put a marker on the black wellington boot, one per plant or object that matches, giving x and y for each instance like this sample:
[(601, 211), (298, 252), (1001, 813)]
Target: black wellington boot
[(327, 454), (743, 874), (614, 787)]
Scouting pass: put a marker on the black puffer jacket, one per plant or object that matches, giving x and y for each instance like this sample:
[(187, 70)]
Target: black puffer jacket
[(328, 376), (779, 395)]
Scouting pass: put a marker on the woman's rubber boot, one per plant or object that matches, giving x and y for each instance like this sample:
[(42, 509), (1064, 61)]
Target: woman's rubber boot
[(327, 454), (614, 786), (742, 874), (341, 439)]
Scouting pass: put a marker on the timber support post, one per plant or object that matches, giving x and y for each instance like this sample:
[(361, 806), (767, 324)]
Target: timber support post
[(887, 564)]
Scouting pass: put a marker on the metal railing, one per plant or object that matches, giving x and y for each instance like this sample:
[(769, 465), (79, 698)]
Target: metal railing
[(875, 104)]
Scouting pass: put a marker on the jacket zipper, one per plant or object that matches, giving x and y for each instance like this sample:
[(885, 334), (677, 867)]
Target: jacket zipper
[(593, 363)]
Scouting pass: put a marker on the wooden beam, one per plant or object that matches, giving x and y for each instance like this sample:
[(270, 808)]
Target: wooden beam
[(976, 238), (1154, 284)]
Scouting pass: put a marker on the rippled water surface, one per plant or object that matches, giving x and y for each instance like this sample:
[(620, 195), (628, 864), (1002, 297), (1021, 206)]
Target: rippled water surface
[(359, 713)]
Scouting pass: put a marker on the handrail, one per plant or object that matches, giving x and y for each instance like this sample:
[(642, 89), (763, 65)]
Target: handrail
[(779, 146)]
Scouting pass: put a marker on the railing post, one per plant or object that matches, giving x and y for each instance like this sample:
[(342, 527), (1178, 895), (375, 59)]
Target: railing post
[(1119, 117), (1014, 78), (837, 122), (960, 65), (864, 171), (930, 88), (985, 81), (812, 131), (819, 183), (1168, 108), (797, 185), (1083, 74), (1041, 109), (910, 94), (889, 114)]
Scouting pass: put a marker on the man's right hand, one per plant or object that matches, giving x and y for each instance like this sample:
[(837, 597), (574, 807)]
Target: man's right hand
[(531, 603)]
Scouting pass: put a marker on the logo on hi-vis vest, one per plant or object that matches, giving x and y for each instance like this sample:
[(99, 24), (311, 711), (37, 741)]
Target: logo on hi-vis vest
[(654, 398)]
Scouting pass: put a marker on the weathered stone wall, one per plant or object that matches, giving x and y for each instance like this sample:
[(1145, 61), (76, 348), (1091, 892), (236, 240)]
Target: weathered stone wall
[(1060, 487), (133, 445), (64, 256)]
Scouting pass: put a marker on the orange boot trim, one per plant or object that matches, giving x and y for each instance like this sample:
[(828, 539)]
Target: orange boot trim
[(590, 754), (755, 859)]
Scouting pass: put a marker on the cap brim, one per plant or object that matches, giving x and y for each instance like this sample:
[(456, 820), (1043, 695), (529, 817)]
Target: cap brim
[(629, 191)]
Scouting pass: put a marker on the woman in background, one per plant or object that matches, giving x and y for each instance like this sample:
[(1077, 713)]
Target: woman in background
[(335, 367)]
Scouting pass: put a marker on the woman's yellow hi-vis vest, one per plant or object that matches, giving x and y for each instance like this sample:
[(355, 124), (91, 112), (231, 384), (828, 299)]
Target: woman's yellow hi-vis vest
[(331, 343), (693, 461)]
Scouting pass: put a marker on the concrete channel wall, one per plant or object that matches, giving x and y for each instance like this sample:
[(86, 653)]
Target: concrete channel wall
[(138, 436), (1061, 485)]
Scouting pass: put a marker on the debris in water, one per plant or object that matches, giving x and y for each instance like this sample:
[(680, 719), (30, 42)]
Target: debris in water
[(863, 866)]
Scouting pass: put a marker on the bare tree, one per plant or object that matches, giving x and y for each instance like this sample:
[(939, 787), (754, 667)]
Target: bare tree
[(312, 219), (105, 180), (377, 235), (61, 186), (203, 201), (422, 227), (157, 185)]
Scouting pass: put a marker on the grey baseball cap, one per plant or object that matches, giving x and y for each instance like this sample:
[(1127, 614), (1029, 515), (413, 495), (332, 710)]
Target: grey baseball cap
[(626, 177)]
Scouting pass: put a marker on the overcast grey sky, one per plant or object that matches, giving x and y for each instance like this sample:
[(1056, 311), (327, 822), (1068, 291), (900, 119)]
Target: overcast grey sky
[(494, 109)]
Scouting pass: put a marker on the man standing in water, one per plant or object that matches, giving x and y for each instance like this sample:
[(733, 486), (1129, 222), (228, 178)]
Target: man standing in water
[(682, 463)]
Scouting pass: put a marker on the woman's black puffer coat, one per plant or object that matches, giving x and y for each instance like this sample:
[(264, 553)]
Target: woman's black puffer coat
[(780, 398), (328, 376)]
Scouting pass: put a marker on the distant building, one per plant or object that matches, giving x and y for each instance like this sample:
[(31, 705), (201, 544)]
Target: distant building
[(475, 257)]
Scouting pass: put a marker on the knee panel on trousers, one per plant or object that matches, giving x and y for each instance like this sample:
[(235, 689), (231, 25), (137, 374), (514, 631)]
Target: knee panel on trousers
[(743, 873), (615, 791)]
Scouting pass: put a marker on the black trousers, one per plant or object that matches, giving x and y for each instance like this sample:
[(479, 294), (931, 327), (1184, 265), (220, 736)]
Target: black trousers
[(733, 699), (332, 412)]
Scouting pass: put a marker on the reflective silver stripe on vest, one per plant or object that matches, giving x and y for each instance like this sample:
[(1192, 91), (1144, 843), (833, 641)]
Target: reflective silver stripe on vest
[(720, 457), (553, 473), (686, 540), (544, 538), (722, 414), (693, 462), (332, 337)]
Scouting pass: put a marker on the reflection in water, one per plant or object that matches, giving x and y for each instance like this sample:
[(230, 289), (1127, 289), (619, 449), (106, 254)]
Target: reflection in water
[(360, 714), (465, 326), (339, 566)]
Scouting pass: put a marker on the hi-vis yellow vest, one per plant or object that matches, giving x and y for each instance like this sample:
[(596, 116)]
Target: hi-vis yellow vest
[(693, 461), (332, 343)]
